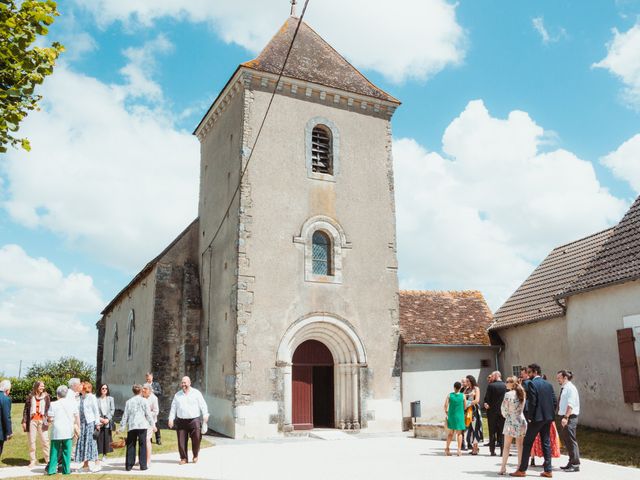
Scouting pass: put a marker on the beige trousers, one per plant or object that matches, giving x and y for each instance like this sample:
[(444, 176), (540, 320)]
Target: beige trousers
[(35, 429)]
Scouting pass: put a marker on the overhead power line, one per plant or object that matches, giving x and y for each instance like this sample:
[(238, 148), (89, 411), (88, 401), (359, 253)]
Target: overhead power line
[(255, 142)]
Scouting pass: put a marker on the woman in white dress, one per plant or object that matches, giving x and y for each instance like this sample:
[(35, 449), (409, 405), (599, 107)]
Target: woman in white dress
[(515, 425), (147, 392)]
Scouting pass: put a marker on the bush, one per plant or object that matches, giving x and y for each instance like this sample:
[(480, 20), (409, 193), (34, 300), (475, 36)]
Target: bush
[(53, 374), (66, 367)]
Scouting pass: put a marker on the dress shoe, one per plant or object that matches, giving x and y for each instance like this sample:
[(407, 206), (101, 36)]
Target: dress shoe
[(159, 442), (518, 473), (572, 468), (546, 474), (493, 454), (566, 467)]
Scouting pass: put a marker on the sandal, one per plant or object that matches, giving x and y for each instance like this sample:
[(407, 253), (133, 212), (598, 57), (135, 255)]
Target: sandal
[(447, 452)]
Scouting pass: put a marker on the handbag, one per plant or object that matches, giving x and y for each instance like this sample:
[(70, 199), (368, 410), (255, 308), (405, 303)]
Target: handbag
[(96, 433)]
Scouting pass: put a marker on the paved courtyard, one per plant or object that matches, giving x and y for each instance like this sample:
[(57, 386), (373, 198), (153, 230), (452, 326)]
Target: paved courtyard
[(363, 457)]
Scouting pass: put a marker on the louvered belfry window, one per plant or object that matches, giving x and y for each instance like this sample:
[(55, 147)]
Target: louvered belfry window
[(321, 253), (321, 150)]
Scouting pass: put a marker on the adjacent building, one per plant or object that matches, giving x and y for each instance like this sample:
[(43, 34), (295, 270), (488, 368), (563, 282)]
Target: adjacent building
[(580, 310)]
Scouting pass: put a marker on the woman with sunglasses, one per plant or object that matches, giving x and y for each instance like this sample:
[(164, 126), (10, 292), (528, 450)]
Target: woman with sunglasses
[(106, 407), (515, 425)]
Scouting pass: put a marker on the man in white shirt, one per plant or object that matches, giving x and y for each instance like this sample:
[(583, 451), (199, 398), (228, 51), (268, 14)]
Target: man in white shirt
[(191, 415), (568, 411)]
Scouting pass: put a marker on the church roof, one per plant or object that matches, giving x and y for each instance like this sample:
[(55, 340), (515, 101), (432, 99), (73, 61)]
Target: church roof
[(149, 266), (618, 260), (534, 300), (444, 318), (312, 59)]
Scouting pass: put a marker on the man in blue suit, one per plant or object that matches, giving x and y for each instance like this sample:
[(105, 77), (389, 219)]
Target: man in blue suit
[(540, 412), (5, 413)]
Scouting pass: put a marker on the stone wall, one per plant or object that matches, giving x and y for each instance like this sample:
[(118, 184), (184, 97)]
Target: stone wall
[(177, 318)]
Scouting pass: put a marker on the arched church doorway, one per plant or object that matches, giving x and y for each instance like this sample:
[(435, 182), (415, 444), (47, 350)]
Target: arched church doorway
[(312, 386)]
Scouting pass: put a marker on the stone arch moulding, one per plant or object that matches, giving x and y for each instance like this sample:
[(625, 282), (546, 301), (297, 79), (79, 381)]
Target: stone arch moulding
[(335, 148), (349, 355), (338, 243)]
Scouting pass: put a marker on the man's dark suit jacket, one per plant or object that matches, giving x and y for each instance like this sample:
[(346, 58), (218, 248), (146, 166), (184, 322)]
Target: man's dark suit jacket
[(541, 401), (494, 396), (5, 417)]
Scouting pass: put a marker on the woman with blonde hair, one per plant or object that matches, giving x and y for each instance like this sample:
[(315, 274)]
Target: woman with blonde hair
[(34, 421), (152, 400), (87, 446), (515, 425)]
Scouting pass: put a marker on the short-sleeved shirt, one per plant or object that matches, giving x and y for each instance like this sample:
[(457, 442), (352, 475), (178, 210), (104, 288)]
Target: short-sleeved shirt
[(63, 412)]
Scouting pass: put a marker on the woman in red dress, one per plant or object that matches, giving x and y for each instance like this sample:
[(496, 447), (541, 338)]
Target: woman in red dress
[(536, 450)]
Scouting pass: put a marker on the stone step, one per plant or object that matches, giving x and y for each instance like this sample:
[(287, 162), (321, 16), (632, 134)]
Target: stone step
[(331, 434)]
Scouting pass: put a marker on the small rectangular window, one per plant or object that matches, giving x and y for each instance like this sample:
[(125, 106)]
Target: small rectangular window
[(516, 369)]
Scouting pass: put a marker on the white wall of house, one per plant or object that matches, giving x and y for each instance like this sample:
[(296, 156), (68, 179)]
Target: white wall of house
[(429, 372), (544, 343), (592, 320)]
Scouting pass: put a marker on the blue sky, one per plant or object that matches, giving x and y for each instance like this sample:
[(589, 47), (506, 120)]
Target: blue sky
[(519, 130)]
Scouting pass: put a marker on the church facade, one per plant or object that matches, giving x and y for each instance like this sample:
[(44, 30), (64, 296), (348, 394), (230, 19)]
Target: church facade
[(281, 299)]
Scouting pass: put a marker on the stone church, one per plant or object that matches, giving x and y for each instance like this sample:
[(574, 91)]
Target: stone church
[(280, 300)]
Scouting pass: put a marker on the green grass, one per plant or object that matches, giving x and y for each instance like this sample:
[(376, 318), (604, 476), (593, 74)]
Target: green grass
[(607, 447), (16, 450)]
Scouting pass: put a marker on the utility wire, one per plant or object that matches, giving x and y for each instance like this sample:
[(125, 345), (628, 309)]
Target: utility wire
[(255, 142)]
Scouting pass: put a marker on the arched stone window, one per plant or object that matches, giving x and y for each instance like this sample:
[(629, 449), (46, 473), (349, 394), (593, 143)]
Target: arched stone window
[(114, 348), (131, 330), (322, 146), (321, 150), (324, 243), (321, 253)]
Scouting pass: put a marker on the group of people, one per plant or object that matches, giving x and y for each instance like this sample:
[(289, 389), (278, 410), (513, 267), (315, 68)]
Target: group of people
[(522, 409), (78, 425)]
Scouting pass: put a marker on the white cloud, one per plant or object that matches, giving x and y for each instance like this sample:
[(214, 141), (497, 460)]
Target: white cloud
[(108, 172), (44, 314), (141, 67), (538, 24), (623, 60), (411, 39), (486, 212), (625, 162)]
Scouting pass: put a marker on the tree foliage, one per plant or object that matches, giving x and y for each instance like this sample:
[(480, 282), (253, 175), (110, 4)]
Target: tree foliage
[(65, 367), (23, 66)]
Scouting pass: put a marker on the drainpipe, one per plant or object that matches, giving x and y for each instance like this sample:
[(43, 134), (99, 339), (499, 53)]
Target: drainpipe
[(498, 358)]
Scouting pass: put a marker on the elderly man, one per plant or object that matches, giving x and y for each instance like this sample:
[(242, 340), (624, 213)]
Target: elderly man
[(5, 413), (190, 413), (568, 411), (492, 403)]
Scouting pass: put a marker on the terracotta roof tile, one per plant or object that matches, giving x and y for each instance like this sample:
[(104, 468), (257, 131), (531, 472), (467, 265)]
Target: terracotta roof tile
[(313, 60), (617, 261), (444, 318), (534, 299)]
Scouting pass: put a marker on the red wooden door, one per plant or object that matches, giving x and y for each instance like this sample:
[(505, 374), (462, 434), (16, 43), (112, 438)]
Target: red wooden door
[(302, 407), (312, 386)]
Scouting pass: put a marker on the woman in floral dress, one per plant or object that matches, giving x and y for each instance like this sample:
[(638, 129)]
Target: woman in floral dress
[(515, 425), (87, 447)]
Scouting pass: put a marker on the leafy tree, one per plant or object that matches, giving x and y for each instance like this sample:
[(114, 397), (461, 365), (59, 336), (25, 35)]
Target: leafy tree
[(66, 368), (23, 67)]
